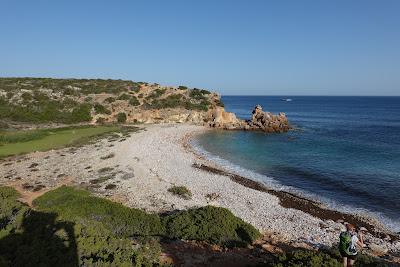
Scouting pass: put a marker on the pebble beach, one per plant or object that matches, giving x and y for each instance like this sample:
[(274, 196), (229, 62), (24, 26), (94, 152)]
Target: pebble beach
[(138, 170)]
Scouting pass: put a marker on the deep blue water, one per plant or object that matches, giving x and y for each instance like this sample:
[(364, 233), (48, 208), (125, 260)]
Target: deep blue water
[(346, 152)]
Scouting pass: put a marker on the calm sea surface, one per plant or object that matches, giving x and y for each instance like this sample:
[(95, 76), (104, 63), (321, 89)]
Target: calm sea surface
[(346, 152)]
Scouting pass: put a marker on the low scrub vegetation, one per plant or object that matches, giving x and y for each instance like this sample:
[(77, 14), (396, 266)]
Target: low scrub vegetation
[(44, 111), (213, 224), (181, 191), (323, 258), (71, 227), (72, 101), (121, 117), (100, 109)]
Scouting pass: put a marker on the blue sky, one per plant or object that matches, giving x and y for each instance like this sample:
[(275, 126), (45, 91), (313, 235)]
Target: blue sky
[(283, 47)]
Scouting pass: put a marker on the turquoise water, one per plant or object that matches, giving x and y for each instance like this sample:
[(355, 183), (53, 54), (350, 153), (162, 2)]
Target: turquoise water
[(346, 152)]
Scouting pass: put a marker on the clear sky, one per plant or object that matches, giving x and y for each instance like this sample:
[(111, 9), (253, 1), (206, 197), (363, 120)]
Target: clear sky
[(299, 47)]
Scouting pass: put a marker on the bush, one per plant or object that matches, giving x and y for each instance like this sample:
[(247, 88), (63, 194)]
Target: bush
[(26, 96), (181, 87), (171, 101), (37, 238), (133, 101), (100, 109), (80, 114), (181, 191), (213, 224), (123, 97), (306, 258), (121, 117), (79, 206), (156, 94), (198, 94), (109, 99)]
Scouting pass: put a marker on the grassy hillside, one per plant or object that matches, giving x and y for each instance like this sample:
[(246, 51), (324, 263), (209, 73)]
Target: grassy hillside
[(43, 100)]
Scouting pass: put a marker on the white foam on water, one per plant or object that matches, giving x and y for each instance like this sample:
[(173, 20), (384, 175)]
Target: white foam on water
[(270, 182)]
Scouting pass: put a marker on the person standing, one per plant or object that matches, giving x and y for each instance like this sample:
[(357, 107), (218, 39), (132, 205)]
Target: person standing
[(348, 243)]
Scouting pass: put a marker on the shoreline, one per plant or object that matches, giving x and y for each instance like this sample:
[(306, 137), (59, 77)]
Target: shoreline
[(152, 160), (292, 200)]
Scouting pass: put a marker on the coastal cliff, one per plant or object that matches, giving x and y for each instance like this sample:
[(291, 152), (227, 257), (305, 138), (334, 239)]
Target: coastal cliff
[(96, 101)]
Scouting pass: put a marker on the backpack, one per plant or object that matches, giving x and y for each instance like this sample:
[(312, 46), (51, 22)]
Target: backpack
[(345, 242)]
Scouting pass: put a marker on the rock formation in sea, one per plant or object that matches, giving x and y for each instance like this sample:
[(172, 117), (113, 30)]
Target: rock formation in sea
[(268, 122), (260, 120)]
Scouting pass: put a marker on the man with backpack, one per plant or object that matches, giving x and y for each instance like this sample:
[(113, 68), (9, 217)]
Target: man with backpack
[(348, 245)]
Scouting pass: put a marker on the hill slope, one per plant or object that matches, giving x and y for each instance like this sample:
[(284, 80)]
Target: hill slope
[(45, 100)]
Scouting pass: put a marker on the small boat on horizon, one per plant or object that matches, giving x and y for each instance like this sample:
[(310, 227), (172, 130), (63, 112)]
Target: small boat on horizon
[(286, 99)]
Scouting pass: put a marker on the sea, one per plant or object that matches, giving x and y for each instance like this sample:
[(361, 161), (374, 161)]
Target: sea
[(343, 151)]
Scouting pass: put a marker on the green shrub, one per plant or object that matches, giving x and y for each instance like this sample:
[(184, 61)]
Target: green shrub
[(306, 258), (171, 101), (36, 238), (79, 206), (198, 94), (123, 97), (156, 94), (121, 117), (80, 114), (68, 103), (26, 96), (181, 87), (202, 106), (180, 191), (100, 109), (133, 101), (109, 99), (213, 224)]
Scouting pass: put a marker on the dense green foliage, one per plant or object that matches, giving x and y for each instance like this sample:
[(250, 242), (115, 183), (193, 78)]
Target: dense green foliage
[(100, 109), (121, 117), (124, 97), (45, 111), (180, 191), (133, 101), (156, 94), (213, 224), (306, 258), (325, 258), (78, 205), (37, 238)]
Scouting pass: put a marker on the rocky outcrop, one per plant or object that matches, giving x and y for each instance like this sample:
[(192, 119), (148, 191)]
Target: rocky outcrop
[(219, 118), (261, 120), (268, 122)]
